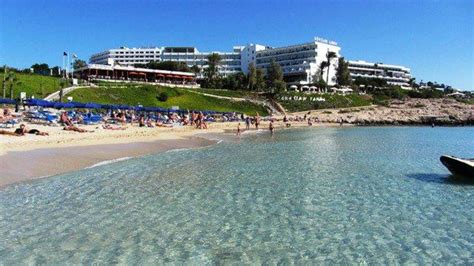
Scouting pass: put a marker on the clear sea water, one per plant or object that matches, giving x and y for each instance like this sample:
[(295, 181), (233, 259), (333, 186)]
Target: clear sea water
[(374, 195)]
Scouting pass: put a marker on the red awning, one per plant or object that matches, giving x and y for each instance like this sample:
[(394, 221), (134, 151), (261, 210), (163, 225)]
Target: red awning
[(160, 75), (188, 77), (137, 73), (169, 76)]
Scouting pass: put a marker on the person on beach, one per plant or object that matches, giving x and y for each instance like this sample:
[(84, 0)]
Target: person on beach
[(257, 121), (285, 120), (110, 127), (6, 132), (141, 121), (64, 119), (247, 123), (238, 130), (75, 129), (271, 127), (309, 122), (22, 130)]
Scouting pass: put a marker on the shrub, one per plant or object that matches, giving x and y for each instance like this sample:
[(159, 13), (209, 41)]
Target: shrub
[(163, 97)]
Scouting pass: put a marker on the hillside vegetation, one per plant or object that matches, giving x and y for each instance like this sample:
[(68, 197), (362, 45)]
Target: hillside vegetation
[(33, 84), (149, 95), (331, 101)]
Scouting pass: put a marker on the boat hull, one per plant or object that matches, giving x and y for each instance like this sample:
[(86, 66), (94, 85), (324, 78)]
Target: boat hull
[(458, 166)]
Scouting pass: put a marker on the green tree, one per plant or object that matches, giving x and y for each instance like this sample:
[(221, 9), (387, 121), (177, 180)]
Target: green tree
[(56, 71), (11, 80), (62, 83), (78, 63), (41, 69), (252, 76), (237, 81), (275, 77), (211, 73), (4, 82), (259, 80), (195, 69), (322, 66), (343, 76), (329, 57)]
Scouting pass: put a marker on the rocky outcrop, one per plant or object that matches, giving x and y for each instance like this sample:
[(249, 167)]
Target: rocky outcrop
[(408, 112)]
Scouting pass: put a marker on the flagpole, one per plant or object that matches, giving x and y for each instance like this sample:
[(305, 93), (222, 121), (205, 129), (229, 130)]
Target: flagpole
[(63, 68), (67, 76)]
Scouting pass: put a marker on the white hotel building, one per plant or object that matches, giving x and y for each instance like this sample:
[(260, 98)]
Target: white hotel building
[(300, 63), (393, 74)]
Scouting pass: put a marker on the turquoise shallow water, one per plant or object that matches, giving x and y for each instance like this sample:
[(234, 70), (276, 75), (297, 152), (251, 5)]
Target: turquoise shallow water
[(354, 195)]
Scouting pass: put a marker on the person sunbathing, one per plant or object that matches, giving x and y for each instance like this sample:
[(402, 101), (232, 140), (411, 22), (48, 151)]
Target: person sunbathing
[(6, 132), (22, 130), (64, 118), (76, 129), (107, 126)]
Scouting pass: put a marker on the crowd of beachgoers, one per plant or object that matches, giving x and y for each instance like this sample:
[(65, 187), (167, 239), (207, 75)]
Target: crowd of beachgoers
[(21, 122)]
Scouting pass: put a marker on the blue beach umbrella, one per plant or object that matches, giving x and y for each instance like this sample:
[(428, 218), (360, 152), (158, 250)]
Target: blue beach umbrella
[(93, 106), (78, 104), (63, 105), (109, 106), (7, 101), (39, 102)]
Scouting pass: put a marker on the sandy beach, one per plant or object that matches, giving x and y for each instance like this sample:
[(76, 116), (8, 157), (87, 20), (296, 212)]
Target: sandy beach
[(30, 157)]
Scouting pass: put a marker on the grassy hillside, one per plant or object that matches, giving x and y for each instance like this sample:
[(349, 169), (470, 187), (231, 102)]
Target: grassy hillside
[(227, 93), (32, 84), (332, 101), (148, 95)]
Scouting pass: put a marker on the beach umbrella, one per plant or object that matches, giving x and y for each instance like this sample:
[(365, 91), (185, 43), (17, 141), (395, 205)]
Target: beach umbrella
[(39, 102), (63, 105), (93, 106), (7, 101), (78, 104), (109, 106)]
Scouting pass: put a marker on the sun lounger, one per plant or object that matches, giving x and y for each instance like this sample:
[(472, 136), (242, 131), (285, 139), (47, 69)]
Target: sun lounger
[(8, 122)]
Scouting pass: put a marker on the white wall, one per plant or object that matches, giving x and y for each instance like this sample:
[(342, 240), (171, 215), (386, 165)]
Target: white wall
[(249, 55)]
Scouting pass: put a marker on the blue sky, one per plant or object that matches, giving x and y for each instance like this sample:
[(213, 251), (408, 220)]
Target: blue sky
[(433, 38)]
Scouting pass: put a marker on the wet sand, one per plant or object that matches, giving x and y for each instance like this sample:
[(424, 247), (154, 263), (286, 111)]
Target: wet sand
[(31, 157), (20, 166)]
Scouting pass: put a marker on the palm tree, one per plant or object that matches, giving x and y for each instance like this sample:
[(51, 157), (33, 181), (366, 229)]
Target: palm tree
[(11, 80), (329, 57), (211, 73), (322, 66), (4, 81)]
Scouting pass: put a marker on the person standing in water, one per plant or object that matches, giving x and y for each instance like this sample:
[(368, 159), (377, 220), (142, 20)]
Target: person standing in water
[(238, 130), (247, 123), (271, 127)]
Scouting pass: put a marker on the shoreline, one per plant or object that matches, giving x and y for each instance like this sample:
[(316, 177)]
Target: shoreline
[(47, 162), (32, 157), (50, 158)]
